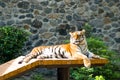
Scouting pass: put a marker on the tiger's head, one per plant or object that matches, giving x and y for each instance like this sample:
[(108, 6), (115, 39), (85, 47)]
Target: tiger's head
[(77, 37)]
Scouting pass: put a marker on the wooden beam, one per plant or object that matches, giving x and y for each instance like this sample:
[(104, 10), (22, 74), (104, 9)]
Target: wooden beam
[(12, 68)]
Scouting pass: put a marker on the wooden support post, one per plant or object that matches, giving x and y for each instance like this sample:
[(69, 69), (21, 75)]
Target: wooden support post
[(63, 73)]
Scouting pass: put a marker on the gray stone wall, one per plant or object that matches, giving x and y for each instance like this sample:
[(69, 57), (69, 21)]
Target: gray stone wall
[(49, 21)]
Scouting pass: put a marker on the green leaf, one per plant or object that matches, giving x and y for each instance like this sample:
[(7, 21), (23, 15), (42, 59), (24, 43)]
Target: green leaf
[(12, 40)]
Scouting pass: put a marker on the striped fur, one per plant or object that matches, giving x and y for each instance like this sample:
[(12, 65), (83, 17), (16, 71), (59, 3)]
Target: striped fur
[(76, 49)]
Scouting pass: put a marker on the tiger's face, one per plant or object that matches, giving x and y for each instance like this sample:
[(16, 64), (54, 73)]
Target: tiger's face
[(77, 37)]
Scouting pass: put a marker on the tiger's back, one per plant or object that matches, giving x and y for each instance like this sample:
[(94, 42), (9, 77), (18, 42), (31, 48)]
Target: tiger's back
[(43, 52)]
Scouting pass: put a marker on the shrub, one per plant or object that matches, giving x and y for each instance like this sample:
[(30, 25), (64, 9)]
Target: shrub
[(12, 40), (110, 71), (37, 77), (88, 30), (99, 78)]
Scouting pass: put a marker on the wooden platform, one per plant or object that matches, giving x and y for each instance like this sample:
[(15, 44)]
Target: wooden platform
[(12, 68)]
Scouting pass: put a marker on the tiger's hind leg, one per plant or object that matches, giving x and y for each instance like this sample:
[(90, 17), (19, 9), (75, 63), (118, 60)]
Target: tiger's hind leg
[(26, 59)]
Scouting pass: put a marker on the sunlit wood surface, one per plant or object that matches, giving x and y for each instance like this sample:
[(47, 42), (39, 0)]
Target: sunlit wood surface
[(12, 68)]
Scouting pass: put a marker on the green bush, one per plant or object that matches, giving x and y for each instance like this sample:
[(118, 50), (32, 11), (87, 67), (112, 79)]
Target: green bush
[(110, 71), (99, 78), (37, 77), (88, 30), (12, 40)]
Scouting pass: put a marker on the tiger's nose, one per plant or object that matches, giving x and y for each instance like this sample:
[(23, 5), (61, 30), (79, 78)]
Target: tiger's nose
[(77, 40)]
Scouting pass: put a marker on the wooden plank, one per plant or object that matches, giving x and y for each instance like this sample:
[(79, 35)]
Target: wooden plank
[(12, 68)]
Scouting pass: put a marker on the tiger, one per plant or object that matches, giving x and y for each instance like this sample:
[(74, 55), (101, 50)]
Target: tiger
[(77, 48)]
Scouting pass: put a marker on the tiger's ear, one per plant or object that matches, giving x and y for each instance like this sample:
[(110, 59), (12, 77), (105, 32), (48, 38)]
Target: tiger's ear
[(83, 31), (70, 33)]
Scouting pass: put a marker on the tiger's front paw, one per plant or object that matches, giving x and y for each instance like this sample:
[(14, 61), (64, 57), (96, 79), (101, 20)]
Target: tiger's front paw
[(87, 63), (96, 56)]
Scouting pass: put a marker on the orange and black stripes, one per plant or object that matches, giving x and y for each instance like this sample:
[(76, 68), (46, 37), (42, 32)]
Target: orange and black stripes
[(77, 48)]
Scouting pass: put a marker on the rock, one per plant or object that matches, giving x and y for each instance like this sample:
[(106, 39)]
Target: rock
[(72, 3), (27, 21), (117, 40), (69, 17), (107, 20), (107, 1), (38, 43), (23, 4), (54, 22), (62, 5), (26, 11), (97, 23), (117, 35), (116, 1), (94, 30), (37, 7), (2, 4), (35, 37), (115, 25), (1, 13), (47, 35), (114, 19), (52, 3), (62, 29), (118, 29), (79, 25), (42, 30), (107, 27), (53, 15), (61, 10), (106, 38), (111, 3), (53, 39), (109, 14), (27, 27), (2, 23), (106, 9), (100, 11), (48, 10), (45, 20), (34, 31), (76, 17), (10, 22), (44, 3), (36, 23), (29, 15), (52, 30), (58, 0), (93, 7), (112, 34), (22, 17), (97, 1), (28, 43)]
